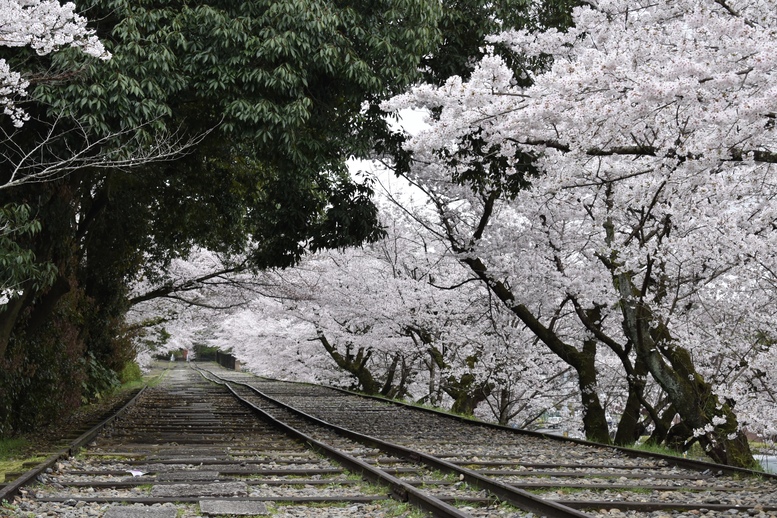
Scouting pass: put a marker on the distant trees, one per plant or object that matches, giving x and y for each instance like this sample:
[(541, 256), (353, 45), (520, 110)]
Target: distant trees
[(397, 318)]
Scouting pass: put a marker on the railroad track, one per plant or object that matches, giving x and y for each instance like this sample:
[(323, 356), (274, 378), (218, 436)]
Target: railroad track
[(591, 478), (193, 446)]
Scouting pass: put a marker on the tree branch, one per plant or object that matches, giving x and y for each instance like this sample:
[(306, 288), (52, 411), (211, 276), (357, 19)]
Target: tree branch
[(737, 154), (169, 289), (25, 165)]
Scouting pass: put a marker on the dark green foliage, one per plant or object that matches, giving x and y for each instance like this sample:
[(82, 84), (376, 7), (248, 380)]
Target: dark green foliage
[(289, 75), (17, 263), (465, 24), (272, 92), (100, 379), (281, 84), (488, 173), (204, 352), (131, 372)]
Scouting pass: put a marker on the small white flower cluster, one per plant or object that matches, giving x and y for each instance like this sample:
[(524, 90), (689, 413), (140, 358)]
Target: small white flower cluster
[(45, 26), (11, 85), (698, 432)]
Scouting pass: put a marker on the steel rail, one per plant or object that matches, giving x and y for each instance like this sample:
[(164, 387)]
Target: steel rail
[(12, 489), (644, 507), (197, 499), (678, 462), (706, 470), (503, 492), (400, 490)]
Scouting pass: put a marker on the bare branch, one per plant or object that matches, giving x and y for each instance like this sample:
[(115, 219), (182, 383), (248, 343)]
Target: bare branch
[(737, 154), (41, 163), (168, 290)]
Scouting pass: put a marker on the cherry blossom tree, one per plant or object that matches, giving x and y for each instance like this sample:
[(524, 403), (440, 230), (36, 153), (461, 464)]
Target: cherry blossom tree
[(44, 26), (397, 317), (615, 189)]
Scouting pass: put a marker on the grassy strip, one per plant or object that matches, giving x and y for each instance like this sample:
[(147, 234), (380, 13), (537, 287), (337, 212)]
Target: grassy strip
[(14, 453), (17, 451)]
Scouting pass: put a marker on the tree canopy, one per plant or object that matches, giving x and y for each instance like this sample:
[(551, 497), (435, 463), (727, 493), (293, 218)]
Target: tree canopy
[(620, 196), (252, 108)]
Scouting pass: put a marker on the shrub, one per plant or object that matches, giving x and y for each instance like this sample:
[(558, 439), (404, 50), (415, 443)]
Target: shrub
[(131, 372)]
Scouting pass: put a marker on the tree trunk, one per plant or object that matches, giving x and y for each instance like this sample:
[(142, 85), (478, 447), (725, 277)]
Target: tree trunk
[(467, 394), (505, 407), (392, 370), (433, 392), (673, 369), (594, 418), (357, 366), (628, 425), (661, 426), (584, 362), (46, 304), (628, 431)]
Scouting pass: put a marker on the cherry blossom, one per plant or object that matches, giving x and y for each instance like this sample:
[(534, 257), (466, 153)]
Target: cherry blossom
[(44, 26), (389, 301), (649, 142)]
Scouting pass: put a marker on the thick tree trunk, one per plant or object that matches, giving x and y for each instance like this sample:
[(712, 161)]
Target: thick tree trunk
[(699, 406), (629, 429), (433, 392), (357, 365), (37, 312), (594, 416), (712, 420), (466, 393), (399, 389), (628, 426)]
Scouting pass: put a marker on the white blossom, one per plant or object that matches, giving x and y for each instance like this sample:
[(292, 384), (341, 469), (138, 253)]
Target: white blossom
[(45, 26), (654, 131)]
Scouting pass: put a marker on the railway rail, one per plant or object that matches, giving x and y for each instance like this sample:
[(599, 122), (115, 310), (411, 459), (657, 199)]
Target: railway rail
[(593, 478), (212, 442)]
